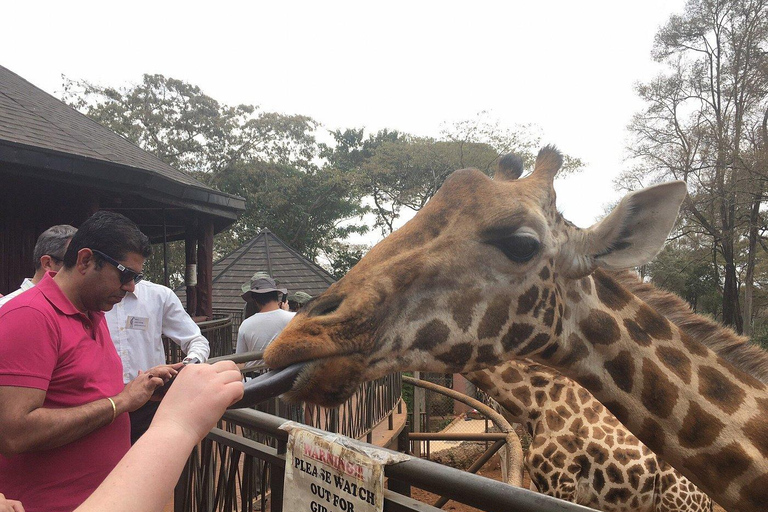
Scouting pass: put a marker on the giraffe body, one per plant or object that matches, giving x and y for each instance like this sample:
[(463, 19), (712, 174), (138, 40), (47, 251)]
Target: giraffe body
[(579, 451), (489, 271)]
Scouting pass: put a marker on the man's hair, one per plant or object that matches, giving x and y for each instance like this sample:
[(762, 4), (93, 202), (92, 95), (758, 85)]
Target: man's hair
[(262, 299), (111, 233), (53, 242)]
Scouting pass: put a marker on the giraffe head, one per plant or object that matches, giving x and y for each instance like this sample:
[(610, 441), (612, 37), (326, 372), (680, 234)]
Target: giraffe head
[(475, 278)]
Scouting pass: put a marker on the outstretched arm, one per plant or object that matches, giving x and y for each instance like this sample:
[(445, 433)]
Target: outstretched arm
[(145, 477)]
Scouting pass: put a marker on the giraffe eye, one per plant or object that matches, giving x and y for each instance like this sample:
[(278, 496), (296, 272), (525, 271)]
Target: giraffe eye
[(518, 248), (325, 308)]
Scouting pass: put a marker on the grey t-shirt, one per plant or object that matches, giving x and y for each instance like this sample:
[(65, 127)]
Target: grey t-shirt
[(257, 331)]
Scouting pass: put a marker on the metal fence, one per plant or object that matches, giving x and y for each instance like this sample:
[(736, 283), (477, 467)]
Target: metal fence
[(218, 332), (220, 476)]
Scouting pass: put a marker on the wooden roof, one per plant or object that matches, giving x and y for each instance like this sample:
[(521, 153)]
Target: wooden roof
[(43, 138), (264, 253)]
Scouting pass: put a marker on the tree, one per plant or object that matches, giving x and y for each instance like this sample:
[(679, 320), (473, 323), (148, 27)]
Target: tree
[(306, 208), (268, 158), (696, 126), (400, 172), (189, 130)]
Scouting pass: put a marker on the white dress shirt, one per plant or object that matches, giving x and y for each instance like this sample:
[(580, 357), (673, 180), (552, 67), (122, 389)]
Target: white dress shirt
[(26, 284), (137, 322)]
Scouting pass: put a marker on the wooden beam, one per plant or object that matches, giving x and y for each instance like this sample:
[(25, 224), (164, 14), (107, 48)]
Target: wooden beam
[(205, 267), (190, 275)]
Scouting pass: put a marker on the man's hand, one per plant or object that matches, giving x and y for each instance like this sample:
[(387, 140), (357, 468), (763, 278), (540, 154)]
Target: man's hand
[(138, 392), (199, 397), (10, 505)]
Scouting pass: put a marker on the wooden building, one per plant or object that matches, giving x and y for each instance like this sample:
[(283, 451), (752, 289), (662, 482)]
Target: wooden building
[(58, 166), (264, 253)]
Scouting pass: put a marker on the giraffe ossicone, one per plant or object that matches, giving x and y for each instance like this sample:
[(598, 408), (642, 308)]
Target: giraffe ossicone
[(490, 271)]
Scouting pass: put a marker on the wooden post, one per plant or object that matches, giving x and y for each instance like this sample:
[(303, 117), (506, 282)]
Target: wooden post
[(190, 274), (205, 268)]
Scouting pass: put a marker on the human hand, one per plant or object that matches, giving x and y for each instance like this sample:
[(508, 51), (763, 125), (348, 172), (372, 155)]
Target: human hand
[(138, 392), (199, 396), (7, 505)]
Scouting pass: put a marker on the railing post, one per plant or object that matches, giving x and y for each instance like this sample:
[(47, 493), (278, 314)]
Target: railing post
[(277, 480), (399, 486)]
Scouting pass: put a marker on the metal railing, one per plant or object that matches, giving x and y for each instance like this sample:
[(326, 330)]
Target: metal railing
[(368, 406), (218, 332), (220, 476)]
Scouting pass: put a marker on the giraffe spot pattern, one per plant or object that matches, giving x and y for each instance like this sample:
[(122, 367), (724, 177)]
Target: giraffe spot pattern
[(495, 317), (549, 352), (544, 273), (676, 361), (486, 355), (554, 420), (692, 346), (577, 350), (523, 394), (570, 444), (536, 343), (597, 452), (511, 375), (614, 474), (600, 328), (653, 436), (700, 428), (431, 335), (457, 356), (598, 480), (756, 429), (719, 390), (717, 470), (756, 492), (462, 307), (516, 335), (527, 300), (653, 323), (592, 383), (659, 395), (637, 334), (622, 370), (618, 495), (610, 292), (618, 410)]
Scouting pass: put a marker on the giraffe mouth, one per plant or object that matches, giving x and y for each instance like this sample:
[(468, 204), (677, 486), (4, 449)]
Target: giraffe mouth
[(327, 381)]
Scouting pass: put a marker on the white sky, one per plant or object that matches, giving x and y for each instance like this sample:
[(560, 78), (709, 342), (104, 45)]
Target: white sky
[(567, 66)]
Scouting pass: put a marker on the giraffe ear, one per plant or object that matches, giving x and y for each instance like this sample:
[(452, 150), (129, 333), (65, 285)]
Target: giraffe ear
[(632, 234), (510, 168)]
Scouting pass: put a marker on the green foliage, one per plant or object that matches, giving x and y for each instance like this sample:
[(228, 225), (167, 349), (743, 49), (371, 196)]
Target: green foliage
[(267, 158), (689, 273), (401, 172)]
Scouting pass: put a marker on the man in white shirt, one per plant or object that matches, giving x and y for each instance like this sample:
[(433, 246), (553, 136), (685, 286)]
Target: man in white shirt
[(47, 256), (136, 325), (258, 331)]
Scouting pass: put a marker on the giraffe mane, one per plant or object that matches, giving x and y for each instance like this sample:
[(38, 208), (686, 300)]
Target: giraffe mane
[(734, 348)]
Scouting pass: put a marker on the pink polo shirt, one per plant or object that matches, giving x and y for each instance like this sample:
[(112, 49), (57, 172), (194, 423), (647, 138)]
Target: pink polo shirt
[(46, 343)]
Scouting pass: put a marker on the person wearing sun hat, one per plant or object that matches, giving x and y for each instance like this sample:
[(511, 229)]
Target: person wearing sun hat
[(298, 300), (258, 330), (251, 307)]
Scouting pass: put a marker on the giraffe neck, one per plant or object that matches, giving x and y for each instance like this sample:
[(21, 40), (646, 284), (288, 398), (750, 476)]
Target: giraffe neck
[(667, 389), (531, 395)]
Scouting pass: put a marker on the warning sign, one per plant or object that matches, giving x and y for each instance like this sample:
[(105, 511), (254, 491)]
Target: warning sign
[(322, 475)]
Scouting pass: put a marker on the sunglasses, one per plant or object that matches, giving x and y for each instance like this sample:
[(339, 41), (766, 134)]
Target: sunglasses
[(126, 274)]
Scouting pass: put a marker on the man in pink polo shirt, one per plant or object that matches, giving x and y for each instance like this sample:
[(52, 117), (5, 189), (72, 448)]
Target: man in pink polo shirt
[(62, 421)]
